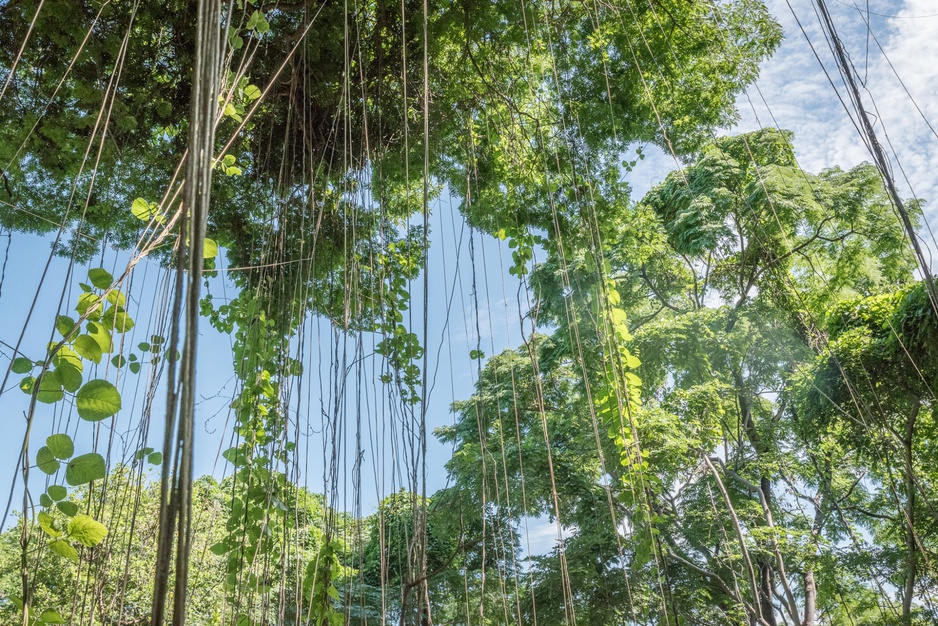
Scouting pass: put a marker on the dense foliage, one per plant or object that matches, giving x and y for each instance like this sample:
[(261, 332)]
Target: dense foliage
[(769, 309), (724, 394)]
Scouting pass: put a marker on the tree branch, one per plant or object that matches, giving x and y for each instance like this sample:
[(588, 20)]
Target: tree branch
[(654, 290)]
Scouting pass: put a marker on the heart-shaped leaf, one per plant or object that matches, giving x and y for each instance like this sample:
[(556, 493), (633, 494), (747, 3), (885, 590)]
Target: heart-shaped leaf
[(61, 446), (84, 469), (86, 530), (46, 461), (97, 400)]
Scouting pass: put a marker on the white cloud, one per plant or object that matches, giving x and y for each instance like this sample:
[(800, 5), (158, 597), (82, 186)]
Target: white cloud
[(798, 96), (794, 93)]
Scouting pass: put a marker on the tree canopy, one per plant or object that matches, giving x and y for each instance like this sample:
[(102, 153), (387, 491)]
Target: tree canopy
[(722, 396)]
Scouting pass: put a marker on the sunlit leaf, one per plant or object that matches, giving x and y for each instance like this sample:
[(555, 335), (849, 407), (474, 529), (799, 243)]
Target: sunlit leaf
[(84, 469), (51, 616), (64, 548), (97, 400), (100, 334), (50, 388), (143, 210), (100, 278), (88, 348), (252, 92), (60, 445), (67, 356), (85, 302), (46, 461), (86, 530), (48, 525), (69, 377)]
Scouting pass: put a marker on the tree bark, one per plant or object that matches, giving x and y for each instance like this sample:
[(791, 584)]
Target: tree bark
[(810, 599), (910, 573), (766, 586)]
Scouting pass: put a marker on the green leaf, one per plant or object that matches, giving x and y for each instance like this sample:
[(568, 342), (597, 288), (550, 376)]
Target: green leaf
[(97, 400), (143, 210), (57, 492), (84, 469), (68, 508), (68, 357), (52, 617), (135, 367), (633, 381), (64, 548), (60, 445), (86, 530), (48, 525), (209, 251), (116, 318), (88, 348), (116, 297), (50, 388), (69, 377), (101, 335), (26, 385), (22, 365), (100, 278), (45, 500), (155, 458), (252, 92), (122, 321), (85, 302), (46, 461), (64, 324)]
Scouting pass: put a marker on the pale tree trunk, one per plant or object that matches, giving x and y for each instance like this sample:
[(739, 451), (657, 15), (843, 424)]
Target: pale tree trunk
[(810, 599)]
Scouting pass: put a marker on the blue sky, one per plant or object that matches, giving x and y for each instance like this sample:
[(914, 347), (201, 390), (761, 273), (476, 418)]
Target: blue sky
[(792, 93)]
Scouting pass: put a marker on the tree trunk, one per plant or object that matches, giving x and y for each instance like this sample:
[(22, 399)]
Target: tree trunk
[(764, 562), (810, 584), (766, 587), (810, 599), (909, 517)]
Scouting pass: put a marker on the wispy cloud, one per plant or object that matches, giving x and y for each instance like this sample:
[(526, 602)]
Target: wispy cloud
[(794, 92)]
